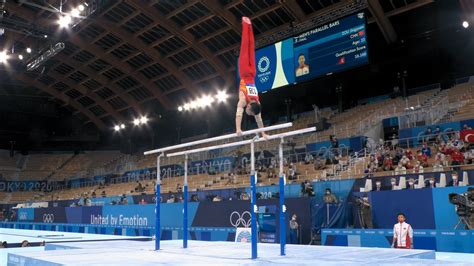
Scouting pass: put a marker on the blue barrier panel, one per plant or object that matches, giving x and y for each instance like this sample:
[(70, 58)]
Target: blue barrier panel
[(439, 240)]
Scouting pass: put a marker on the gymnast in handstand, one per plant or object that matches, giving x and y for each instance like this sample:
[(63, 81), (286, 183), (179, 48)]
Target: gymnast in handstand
[(248, 93)]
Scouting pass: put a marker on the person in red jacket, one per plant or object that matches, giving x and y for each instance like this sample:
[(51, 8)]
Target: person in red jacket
[(248, 93), (402, 233)]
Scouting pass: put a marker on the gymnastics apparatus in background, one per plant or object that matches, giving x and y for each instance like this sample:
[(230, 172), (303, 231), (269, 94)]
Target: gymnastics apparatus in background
[(253, 178)]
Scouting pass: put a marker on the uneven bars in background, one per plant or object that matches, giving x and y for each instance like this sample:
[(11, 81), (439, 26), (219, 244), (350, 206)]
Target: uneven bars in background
[(228, 136), (244, 142)]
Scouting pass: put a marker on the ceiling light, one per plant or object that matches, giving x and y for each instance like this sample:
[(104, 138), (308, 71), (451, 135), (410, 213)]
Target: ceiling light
[(187, 107), (194, 104), (45, 36), (20, 56), (3, 57), (122, 126), (28, 50), (180, 108), (143, 120), (64, 21), (465, 24), (81, 8), (136, 121), (75, 12), (117, 128), (221, 96)]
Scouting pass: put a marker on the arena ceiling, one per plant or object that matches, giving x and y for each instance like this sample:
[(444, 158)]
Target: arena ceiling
[(132, 57)]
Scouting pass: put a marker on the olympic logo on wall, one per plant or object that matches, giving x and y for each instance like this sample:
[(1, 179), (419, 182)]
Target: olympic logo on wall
[(23, 216), (237, 219), (48, 218), (263, 64), (264, 79)]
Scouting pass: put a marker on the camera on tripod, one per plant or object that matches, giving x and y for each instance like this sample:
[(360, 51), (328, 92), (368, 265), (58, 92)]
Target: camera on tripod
[(464, 205)]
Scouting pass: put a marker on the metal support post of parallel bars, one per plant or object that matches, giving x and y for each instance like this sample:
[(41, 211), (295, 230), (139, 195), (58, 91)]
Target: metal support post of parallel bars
[(253, 199), (157, 205), (185, 204), (282, 201)]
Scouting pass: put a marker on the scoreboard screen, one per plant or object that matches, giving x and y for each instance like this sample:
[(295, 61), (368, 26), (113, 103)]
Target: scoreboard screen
[(331, 48)]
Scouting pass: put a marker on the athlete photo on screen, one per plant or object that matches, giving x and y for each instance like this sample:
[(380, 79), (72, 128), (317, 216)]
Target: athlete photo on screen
[(303, 68)]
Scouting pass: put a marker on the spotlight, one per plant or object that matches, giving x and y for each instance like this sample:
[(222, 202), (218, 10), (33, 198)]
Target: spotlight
[(465, 24), (194, 104), (117, 128), (221, 96), (28, 50), (187, 107), (81, 8), (64, 21), (143, 120), (20, 56), (75, 12), (136, 121), (122, 126), (3, 57), (45, 36), (180, 108)]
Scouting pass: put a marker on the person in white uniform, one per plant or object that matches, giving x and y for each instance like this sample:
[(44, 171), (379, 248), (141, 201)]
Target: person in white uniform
[(402, 233)]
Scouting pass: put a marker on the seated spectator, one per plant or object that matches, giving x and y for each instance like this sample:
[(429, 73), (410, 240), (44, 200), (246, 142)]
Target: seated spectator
[(25, 244), (422, 158), (393, 183), (455, 180), (418, 169), (441, 159), (468, 156), (93, 194), (388, 163), (431, 182), (142, 201), (103, 194), (378, 185), (139, 187), (411, 183), (123, 200), (329, 197), (194, 198), (291, 172), (409, 154), (171, 199), (319, 164), (426, 150), (466, 127), (457, 158), (179, 188), (404, 161), (400, 170), (308, 158), (438, 167)]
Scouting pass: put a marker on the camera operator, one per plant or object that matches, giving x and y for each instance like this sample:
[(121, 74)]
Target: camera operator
[(307, 188), (365, 212)]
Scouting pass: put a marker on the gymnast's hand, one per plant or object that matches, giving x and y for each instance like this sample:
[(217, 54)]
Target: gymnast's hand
[(265, 136), (238, 132)]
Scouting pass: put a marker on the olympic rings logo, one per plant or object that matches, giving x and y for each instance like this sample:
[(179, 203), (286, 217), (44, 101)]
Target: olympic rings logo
[(264, 79), (48, 218), (237, 219), (265, 66)]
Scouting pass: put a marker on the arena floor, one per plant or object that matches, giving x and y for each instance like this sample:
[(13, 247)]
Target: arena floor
[(91, 250)]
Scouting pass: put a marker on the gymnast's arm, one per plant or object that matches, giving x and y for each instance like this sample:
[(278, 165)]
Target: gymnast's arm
[(239, 113)]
